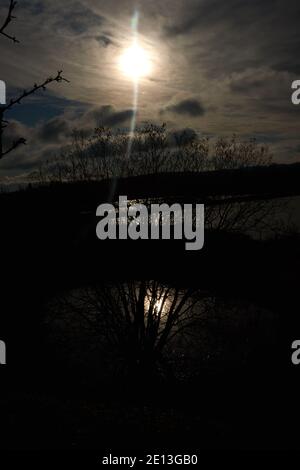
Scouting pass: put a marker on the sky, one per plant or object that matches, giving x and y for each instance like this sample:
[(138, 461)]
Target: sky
[(218, 67)]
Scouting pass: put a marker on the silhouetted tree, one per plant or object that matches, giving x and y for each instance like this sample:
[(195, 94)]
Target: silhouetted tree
[(136, 319), (155, 150), (233, 154)]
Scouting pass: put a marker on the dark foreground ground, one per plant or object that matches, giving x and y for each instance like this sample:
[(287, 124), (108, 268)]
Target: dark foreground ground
[(49, 245)]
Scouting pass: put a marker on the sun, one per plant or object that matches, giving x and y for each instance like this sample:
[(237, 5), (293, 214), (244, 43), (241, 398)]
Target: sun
[(135, 62)]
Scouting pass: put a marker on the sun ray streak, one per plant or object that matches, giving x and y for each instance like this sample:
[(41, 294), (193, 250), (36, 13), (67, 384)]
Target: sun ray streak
[(132, 129), (135, 26)]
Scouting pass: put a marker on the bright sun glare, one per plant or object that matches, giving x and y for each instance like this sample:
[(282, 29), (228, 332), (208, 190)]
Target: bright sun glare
[(135, 62)]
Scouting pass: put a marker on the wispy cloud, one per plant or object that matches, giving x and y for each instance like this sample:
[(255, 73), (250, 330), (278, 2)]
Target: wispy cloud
[(218, 67)]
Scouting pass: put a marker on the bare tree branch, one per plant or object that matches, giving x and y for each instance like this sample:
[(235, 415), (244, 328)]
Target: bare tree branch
[(8, 20), (42, 86), (14, 145), (3, 124)]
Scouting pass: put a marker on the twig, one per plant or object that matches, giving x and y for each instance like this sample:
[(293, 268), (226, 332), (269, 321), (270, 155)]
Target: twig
[(59, 78), (3, 124), (7, 20), (15, 144)]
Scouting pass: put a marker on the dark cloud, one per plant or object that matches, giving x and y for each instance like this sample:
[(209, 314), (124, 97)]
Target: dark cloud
[(105, 40), (45, 140), (182, 136), (239, 56), (121, 117), (55, 130), (188, 107), (215, 13), (81, 19), (108, 116), (35, 7), (236, 34)]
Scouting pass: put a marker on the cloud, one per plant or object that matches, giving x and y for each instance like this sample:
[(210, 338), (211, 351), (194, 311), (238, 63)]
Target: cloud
[(36, 7), (229, 36), (239, 56), (104, 40), (208, 13), (107, 115), (187, 107), (55, 130), (81, 18), (46, 139)]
